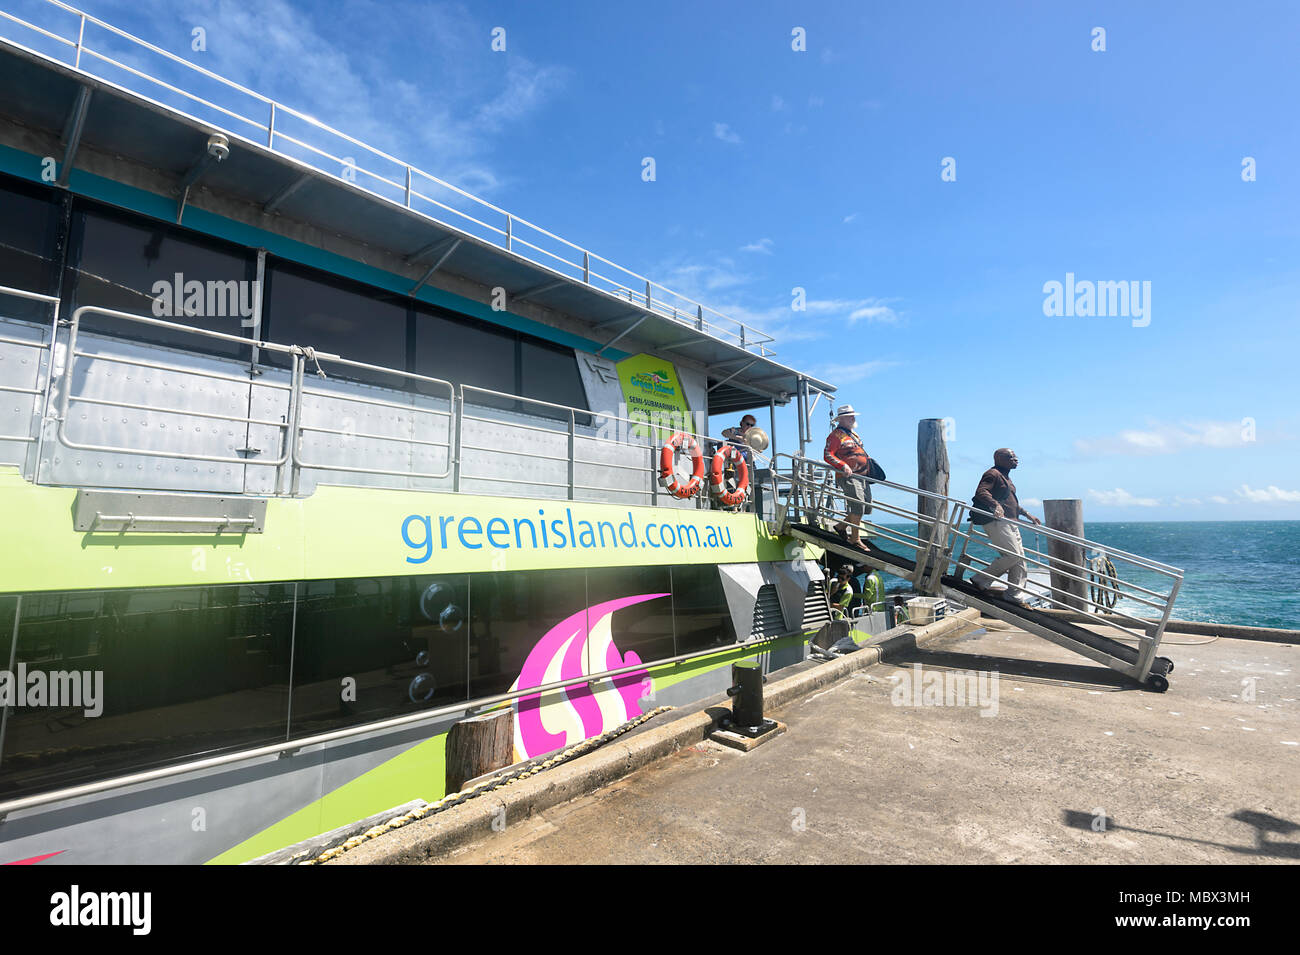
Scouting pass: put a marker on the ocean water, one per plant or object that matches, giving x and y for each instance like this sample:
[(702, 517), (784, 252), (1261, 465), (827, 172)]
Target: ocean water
[(1242, 572)]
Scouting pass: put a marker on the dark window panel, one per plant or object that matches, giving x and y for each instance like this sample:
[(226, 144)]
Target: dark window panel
[(700, 609), (117, 260), (550, 373), (466, 353), (369, 649), (342, 320), (645, 627), (512, 614), (29, 221), (187, 672)]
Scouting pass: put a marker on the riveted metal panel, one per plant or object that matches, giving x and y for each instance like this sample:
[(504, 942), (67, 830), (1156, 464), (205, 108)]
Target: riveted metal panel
[(22, 366), (165, 425), (376, 436)]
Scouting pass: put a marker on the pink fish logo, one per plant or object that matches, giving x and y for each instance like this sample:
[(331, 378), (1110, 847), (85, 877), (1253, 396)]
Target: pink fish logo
[(574, 647)]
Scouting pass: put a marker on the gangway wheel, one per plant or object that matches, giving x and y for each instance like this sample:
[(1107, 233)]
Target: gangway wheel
[(1157, 683)]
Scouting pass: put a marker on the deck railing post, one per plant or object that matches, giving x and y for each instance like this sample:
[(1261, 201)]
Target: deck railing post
[(510, 231), (270, 129), (586, 267), (573, 451), (458, 423), (81, 35)]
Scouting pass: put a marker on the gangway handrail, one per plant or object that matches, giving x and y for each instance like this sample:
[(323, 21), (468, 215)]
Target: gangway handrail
[(1037, 528), (934, 555)]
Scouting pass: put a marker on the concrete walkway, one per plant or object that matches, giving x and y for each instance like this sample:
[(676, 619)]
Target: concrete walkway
[(1202, 774)]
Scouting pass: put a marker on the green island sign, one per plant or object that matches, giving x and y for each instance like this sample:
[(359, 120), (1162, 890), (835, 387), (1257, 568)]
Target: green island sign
[(653, 394)]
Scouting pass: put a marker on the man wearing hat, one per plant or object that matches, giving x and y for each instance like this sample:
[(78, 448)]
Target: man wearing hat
[(845, 453), (736, 436)]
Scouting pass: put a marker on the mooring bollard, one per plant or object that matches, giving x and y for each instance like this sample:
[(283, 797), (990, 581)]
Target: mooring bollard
[(746, 694)]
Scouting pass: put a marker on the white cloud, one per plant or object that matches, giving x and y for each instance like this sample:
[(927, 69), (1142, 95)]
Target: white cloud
[(1161, 438), (327, 70), (762, 245), (724, 132), (723, 284), (850, 217), (1120, 498), (1219, 499), (872, 310), (845, 374), (1180, 501), (1269, 495), (816, 102), (1032, 502), (777, 102)]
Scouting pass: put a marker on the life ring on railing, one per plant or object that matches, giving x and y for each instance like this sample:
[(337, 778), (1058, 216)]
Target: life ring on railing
[(668, 473), (717, 476)]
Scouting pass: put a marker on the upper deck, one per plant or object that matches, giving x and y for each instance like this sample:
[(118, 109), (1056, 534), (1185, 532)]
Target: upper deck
[(110, 106)]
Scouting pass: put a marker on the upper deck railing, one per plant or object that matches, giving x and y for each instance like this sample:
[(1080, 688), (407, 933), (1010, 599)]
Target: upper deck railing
[(106, 391), (147, 71)]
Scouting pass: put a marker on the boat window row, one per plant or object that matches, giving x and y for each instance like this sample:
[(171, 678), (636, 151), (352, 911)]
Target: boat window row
[(173, 674), (90, 254)]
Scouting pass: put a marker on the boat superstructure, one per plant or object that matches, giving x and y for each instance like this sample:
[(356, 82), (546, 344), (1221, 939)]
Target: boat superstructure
[(306, 454)]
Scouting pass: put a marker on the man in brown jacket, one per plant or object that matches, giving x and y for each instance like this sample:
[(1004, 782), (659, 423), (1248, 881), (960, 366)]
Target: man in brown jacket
[(997, 495)]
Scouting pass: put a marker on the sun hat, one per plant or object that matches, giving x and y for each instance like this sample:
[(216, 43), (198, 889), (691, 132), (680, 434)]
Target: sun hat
[(842, 410)]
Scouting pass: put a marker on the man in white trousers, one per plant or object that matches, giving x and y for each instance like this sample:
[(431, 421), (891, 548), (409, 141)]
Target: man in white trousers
[(997, 495)]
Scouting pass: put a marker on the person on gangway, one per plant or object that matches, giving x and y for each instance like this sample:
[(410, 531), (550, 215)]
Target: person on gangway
[(852, 464), (997, 495)]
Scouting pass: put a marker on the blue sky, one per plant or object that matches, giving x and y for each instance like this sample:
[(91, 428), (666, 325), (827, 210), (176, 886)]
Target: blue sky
[(821, 169)]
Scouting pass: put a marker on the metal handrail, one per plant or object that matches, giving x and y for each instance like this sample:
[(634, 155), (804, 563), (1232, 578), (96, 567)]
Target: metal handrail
[(66, 397), (299, 428), (640, 433), (672, 305), (814, 477), (288, 747)]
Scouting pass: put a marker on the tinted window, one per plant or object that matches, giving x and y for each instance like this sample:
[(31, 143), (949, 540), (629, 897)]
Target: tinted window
[(700, 609), (550, 373), (368, 327), (643, 627), (185, 672), (465, 353), (28, 226), (128, 265), (515, 614), (366, 649)]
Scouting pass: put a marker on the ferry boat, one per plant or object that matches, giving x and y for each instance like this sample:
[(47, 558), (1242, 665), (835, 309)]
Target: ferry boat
[(306, 454)]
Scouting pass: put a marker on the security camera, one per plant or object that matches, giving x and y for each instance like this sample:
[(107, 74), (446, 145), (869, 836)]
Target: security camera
[(218, 147)]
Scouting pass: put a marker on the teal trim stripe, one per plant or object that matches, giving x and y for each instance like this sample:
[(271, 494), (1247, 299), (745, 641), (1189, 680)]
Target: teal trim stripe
[(26, 166)]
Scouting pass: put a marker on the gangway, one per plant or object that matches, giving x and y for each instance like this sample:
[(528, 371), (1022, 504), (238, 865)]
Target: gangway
[(933, 551)]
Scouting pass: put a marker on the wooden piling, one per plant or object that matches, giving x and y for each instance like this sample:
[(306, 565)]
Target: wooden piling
[(931, 465), (478, 745), (1066, 516)]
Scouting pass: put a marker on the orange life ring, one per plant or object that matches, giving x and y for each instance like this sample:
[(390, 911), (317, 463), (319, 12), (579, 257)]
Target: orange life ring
[(717, 480), (668, 474)]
